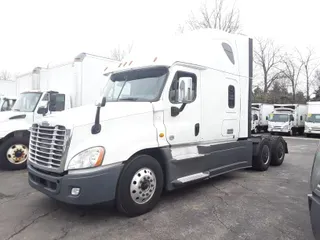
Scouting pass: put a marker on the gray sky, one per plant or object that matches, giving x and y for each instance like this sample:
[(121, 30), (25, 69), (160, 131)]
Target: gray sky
[(38, 32)]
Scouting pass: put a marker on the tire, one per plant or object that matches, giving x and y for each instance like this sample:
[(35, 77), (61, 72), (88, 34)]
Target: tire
[(307, 135), (261, 161), (277, 151), (131, 202), (272, 133), (14, 145)]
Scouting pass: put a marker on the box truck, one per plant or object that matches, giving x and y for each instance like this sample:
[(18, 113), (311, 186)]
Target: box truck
[(53, 90), (8, 87), (312, 124), (263, 110), (172, 113), (288, 119)]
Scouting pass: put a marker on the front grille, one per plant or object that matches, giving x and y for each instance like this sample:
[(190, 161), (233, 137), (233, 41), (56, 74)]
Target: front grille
[(47, 145)]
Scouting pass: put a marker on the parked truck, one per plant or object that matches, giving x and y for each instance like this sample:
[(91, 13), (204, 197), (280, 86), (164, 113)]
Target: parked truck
[(52, 90), (312, 124), (288, 119), (254, 120), (263, 110), (6, 102), (8, 87), (173, 113)]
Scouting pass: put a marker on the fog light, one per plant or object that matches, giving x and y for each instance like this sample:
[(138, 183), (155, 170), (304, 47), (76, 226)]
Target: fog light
[(75, 191)]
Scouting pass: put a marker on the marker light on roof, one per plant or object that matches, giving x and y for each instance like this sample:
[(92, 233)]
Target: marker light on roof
[(130, 63), (106, 68), (125, 64), (155, 59), (120, 65)]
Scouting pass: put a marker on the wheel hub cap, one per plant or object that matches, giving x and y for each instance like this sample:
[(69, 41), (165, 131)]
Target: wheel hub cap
[(17, 154), (143, 186)]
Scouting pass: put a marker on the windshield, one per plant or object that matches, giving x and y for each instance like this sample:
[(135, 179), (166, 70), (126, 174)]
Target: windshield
[(279, 117), (27, 102), (136, 85), (313, 118)]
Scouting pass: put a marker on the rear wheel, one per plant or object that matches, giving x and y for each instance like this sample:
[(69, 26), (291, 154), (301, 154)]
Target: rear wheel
[(14, 153), (261, 161), (140, 186), (277, 151)]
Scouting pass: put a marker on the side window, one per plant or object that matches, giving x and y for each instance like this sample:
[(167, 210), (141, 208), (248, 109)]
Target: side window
[(5, 105), (267, 118), (231, 96), (301, 118), (45, 97), (183, 87), (57, 102)]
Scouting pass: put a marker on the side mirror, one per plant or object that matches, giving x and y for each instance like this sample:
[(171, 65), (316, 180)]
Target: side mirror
[(255, 117), (42, 110), (291, 118), (185, 90)]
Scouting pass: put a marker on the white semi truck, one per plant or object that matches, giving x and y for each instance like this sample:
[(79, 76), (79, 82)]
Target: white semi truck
[(173, 113), (312, 124), (48, 91), (263, 111), (288, 119)]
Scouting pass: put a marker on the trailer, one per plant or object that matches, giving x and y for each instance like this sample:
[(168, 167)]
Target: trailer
[(288, 118), (173, 113), (8, 88), (47, 92), (263, 111), (312, 124)]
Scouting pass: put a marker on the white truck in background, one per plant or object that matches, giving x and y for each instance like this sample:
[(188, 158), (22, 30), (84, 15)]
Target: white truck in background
[(254, 120), (6, 102), (288, 119), (312, 124), (8, 88), (161, 123), (52, 90), (262, 110)]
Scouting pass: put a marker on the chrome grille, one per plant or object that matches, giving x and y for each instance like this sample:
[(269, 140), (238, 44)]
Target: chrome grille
[(47, 145)]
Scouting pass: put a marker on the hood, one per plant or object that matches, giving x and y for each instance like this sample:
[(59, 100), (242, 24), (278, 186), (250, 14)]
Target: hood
[(84, 115), (10, 115)]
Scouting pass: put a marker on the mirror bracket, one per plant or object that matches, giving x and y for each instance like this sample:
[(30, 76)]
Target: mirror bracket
[(176, 111)]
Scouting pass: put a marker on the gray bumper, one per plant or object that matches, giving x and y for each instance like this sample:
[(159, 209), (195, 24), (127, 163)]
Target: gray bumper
[(314, 210), (95, 187)]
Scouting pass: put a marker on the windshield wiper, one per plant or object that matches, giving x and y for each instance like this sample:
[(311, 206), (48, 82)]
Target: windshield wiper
[(17, 110), (128, 99)]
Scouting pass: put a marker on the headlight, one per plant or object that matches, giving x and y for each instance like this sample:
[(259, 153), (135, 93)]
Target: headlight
[(315, 172), (285, 127), (89, 158)]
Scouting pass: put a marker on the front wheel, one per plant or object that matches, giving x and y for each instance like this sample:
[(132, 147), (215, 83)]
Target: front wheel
[(140, 186), (261, 161), (14, 153)]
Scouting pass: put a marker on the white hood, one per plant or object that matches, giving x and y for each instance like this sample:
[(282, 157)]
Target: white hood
[(84, 115), (5, 116)]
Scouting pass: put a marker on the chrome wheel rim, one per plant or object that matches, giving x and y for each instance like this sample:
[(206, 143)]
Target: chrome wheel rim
[(17, 153), (143, 186)]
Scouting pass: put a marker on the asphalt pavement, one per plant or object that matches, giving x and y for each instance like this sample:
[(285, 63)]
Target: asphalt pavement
[(240, 205)]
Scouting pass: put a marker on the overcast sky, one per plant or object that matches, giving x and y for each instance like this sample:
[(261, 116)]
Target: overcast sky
[(39, 32)]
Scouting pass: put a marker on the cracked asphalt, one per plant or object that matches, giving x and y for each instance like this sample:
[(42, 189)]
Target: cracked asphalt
[(240, 205)]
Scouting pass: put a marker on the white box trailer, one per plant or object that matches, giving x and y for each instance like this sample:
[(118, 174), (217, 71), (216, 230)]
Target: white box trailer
[(54, 89), (312, 124), (172, 113), (8, 87), (288, 118), (263, 111)]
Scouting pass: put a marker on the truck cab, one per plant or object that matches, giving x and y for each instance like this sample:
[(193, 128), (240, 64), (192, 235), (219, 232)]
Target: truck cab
[(30, 106), (6, 103)]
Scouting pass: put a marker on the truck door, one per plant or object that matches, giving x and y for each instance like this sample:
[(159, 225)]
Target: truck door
[(182, 127)]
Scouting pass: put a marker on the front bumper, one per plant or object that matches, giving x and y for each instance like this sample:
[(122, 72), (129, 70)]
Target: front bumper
[(312, 132), (97, 186), (314, 210), (278, 130)]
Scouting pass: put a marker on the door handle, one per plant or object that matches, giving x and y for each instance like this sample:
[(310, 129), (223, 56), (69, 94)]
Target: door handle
[(196, 129)]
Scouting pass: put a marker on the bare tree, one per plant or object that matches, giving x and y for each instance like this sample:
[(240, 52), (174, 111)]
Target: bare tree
[(5, 75), (291, 72), (309, 66), (118, 53), (217, 17), (268, 58)]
